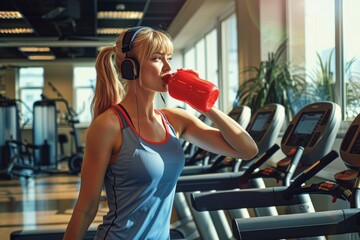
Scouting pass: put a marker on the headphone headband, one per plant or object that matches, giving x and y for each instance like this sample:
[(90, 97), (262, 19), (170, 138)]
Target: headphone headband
[(129, 37), (130, 66)]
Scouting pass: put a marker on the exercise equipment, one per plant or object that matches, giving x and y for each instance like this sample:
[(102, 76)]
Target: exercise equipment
[(315, 125), (53, 234), (45, 133), (15, 154), (265, 125), (9, 127), (40, 155), (345, 187), (314, 129), (71, 119)]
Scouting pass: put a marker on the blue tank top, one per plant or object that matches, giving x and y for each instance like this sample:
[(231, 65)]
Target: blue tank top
[(140, 185)]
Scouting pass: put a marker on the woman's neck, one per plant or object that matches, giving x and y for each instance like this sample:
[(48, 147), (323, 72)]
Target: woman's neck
[(139, 105)]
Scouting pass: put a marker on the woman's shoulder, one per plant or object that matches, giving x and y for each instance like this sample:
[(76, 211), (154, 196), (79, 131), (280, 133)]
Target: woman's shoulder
[(107, 121)]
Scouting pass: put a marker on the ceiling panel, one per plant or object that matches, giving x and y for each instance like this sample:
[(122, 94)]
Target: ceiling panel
[(73, 24)]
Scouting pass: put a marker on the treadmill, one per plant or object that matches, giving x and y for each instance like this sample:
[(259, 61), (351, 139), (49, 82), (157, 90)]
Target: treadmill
[(345, 187), (308, 137), (312, 132), (264, 127)]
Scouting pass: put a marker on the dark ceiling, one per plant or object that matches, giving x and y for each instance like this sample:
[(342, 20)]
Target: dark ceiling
[(70, 27)]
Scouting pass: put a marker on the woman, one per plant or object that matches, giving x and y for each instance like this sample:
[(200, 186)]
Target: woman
[(133, 149)]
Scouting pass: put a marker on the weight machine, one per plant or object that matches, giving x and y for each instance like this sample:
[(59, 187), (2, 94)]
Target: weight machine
[(9, 127), (71, 119), (40, 156)]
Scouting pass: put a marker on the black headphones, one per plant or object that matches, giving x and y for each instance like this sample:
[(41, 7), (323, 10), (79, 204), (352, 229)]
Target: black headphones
[(130, 66)]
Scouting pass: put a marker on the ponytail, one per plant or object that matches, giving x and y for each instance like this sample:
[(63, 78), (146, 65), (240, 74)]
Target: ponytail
[(108, 90)]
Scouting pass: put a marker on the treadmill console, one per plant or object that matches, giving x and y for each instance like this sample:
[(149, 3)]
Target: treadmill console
[(350, 146), (257, 129), (314, 128), (241, 115), (265, 125), (305, 133)]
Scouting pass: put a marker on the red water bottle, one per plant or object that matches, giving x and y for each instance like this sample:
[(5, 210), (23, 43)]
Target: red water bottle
[(185, 85)]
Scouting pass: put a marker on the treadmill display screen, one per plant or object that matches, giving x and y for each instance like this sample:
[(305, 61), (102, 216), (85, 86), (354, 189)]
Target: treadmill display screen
[(305, 129), (308, 123), (257, 129)]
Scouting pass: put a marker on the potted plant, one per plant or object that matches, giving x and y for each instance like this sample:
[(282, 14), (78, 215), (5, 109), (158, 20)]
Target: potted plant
[(273, 81), (321, 86)]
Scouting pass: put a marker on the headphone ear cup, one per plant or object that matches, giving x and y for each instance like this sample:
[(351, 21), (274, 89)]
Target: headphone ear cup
[(129, 69)]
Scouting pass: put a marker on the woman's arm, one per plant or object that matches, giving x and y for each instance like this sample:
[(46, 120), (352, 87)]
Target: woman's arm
[(98, 151), (227, 137), (235, 135)]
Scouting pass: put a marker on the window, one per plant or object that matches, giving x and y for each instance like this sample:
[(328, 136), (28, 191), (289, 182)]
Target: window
[(201, 58), (190, 59), (84, 84), (212, 74), (313, 35), (230, 63), (312, 45), (31, 83), (351, 39)]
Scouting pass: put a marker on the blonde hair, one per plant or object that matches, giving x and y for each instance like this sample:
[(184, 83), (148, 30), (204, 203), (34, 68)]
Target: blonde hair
[(110, 86)]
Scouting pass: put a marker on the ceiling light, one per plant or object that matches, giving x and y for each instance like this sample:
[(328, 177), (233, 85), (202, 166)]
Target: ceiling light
[(10, 15), (110, 30), (41, 57), (120, 15), (34, 49), (15, 30)]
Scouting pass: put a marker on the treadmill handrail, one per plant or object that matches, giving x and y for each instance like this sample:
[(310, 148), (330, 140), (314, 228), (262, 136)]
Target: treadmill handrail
[(293, 165), (260, 161), (217, 181), (313, 169), (253, 198), (297, 225)]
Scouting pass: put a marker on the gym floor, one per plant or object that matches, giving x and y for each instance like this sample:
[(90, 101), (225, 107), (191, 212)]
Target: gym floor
[(40, 202)]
